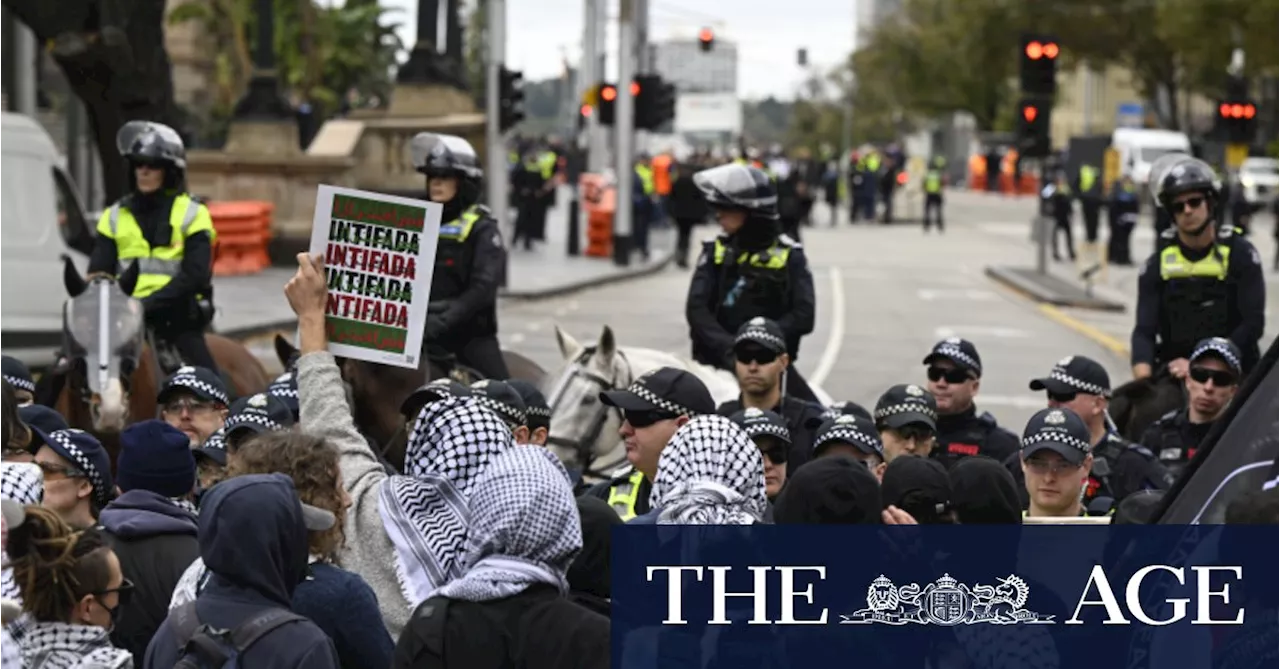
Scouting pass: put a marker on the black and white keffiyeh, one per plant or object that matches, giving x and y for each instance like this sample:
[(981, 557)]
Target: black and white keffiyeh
[(710, 473), (425, 513), (524, 528), (57, 645), (21, 482)]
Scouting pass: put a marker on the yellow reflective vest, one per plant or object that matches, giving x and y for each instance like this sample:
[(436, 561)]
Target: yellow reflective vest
[(774, 258), (646, 178), (623, 495), (156, 266)]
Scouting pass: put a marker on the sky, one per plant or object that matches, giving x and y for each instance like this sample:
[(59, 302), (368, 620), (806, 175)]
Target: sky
[(541, 34)]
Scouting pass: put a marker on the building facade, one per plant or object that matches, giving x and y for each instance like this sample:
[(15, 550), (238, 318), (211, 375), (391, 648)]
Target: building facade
[(683, 63)]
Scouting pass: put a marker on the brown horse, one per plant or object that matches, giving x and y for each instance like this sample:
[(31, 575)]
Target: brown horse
[(111, 374), (1139, 403), (377, 391)]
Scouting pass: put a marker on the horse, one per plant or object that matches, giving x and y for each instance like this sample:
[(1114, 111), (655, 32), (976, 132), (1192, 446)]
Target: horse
[(1139, 403), (584, 430), (377, 391), (111, 373)]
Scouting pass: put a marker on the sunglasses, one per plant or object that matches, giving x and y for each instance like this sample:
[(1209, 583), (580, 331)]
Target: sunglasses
[(1220, 379), (759, 356), (953, 376), (646, 418), (914, 432), (192, 405), (1189, 204), (123, 591), (1045, 466), (1062, 397)]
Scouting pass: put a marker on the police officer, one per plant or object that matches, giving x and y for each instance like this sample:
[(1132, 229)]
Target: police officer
[(1089, 191), (470, 258), (1213, 377), (537, 413), (750, 270), (1055, 456), (1119, 467), (769, 431), (169, 234), (933, 193), (653, 407), (1122, 213), (1203, 282), (955, 371)]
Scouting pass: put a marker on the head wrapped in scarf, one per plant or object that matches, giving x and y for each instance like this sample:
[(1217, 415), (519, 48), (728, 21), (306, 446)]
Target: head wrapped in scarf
[(426, 513), (21, 482), (710, 473), (524, 528)]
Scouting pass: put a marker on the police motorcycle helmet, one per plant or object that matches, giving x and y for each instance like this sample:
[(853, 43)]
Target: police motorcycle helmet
[(738, 186), (436, 155), (151, 143), (1175, 174)]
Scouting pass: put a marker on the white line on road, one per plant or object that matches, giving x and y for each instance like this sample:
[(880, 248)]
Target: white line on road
[(1029, 401), (932, 294), (978, 331), (835, 338), (533, 326), (516, 338)]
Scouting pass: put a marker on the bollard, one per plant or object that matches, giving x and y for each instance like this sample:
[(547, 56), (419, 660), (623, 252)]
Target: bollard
[(572, 233)]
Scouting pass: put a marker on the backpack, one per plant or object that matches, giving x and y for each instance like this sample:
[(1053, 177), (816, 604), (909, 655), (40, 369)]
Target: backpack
[(205, 647)]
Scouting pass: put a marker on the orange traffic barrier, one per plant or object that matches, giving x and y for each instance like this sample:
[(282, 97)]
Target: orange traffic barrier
[(599, 201), (244, 230)]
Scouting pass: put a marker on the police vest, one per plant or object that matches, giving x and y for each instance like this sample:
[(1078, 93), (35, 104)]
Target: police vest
[(646, 178), (623, 495), (873, 163), (1088, 177), (933, 182), (453, 256), (761, 286), (547, 164), (156, 266), (1196, 300), (1172, 449)]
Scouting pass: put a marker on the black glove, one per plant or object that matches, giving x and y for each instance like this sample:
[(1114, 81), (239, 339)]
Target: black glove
[(435, 327)]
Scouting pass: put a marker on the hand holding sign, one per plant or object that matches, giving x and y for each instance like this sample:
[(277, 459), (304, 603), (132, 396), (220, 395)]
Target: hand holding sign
[(306, 291)]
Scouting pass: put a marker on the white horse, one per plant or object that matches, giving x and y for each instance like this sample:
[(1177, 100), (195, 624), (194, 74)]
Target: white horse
[(584, 430)]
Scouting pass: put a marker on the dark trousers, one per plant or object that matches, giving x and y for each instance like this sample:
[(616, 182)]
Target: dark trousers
[(797, 387), (640, 228), (485, 356), (1089, 210), (1062, 224), (1119, 251), (684, 231), (191, 345), (933, 205)]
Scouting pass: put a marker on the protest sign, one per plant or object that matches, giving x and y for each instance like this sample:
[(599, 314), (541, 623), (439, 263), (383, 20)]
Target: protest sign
[(379, 252)]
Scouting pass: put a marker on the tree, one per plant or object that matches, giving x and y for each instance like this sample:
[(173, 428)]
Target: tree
[(115, 63), (476, 48)]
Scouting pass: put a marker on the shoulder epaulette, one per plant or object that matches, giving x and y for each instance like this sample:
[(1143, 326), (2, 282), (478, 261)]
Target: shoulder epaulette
[(622, 472), (1169, 416), (1140, 449), (786, 240), (1168, 233), (484, 210)]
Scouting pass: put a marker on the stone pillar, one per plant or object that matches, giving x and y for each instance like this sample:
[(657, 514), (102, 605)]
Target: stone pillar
[(264, 122)]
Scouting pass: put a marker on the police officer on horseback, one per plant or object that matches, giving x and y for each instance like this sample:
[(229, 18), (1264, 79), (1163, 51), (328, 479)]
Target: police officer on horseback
[(749, 270), (470, 258), (168, 233), (1203, 281)]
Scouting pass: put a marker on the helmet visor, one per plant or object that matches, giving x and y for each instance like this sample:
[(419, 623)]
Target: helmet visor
[(1181, 167), (429, 152), (145, 138), (735, 185)]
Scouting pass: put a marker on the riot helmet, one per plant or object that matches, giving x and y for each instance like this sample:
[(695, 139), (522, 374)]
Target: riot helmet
[(438, 155), (151, 143), (738, 186), (1178, 173)]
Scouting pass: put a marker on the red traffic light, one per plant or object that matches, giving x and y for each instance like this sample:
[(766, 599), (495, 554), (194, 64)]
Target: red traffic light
[(608, 93), (635, 89), (1250, 111), (1050, 50), (585, 111), (705, 35), (1030, 113), (1037, 50), (1034, 50)]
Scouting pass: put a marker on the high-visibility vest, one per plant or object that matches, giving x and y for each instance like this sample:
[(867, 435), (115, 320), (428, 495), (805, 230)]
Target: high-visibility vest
[(1088, 176), (933, 182), (662, 174), (156, 266), (775, 257), (646, 178), (459, 228), (623, 495), (547, 164), (1175, 265)]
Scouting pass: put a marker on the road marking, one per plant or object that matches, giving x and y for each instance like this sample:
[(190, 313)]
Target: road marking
[(835, 338), (533, 326), (979, 331), (516, 338), (1117, 347), (1019, 401), (934, 294)]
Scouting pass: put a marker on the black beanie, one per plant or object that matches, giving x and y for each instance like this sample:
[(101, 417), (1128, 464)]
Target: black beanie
[(155, 456)]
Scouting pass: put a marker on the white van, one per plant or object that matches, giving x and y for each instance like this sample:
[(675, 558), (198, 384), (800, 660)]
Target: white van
[(41, 219), (1139, 147)]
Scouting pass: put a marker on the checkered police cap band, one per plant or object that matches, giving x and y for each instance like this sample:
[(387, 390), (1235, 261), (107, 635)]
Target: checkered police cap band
[(20, 384), (955, 353), (1060, 374), (852, 436), (647, 395), (766, 429), (1215, 345), (506, 411), (760, 335), (1057, 438), (194, 382), (242, 419), (100, 493), (539, 412), (906, 407)]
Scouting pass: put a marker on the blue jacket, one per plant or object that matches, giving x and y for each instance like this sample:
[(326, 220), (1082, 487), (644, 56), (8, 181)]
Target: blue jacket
[(253, 540)]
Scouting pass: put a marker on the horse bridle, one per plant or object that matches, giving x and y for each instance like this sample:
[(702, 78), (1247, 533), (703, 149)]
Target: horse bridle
[(583, 447)]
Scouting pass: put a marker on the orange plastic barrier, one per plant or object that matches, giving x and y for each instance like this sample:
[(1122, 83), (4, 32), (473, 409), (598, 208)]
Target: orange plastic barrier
[(244, 230), (599, 201)]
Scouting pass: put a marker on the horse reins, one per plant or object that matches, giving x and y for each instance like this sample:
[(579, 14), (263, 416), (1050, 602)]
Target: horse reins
[(583, 446)]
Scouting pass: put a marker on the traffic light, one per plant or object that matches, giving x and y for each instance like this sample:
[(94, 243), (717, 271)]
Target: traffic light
[(706, 39), (1038, 67), (584, 113), (605, 103), (1033, 128), (1238, 120), (666, 103), (655, 101), (511, 97)]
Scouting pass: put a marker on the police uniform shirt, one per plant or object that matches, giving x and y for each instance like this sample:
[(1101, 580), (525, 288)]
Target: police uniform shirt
[(469, 264), (624, 478), (967, 433), (1174, 438)]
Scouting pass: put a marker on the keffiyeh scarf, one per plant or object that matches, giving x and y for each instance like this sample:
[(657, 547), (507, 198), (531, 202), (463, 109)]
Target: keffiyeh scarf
[(425, 513), (23, 483), (67, 646), (710, 473), (524, 528)]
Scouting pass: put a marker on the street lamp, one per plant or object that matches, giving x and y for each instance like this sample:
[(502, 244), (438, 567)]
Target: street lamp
[(262, 101)]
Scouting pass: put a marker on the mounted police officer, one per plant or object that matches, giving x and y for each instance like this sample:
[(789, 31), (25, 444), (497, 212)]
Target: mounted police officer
[(168, 233), (1204, 281), (750, 270), (470, 258)]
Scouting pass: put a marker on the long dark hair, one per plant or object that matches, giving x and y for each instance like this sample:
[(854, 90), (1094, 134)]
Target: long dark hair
[(14, 434)]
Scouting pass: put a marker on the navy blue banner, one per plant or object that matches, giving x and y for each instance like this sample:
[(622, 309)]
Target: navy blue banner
[(1025, 597)]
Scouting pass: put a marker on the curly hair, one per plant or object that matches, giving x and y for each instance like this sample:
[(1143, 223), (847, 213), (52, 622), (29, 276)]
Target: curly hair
[(56, 566), (312, 463)]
